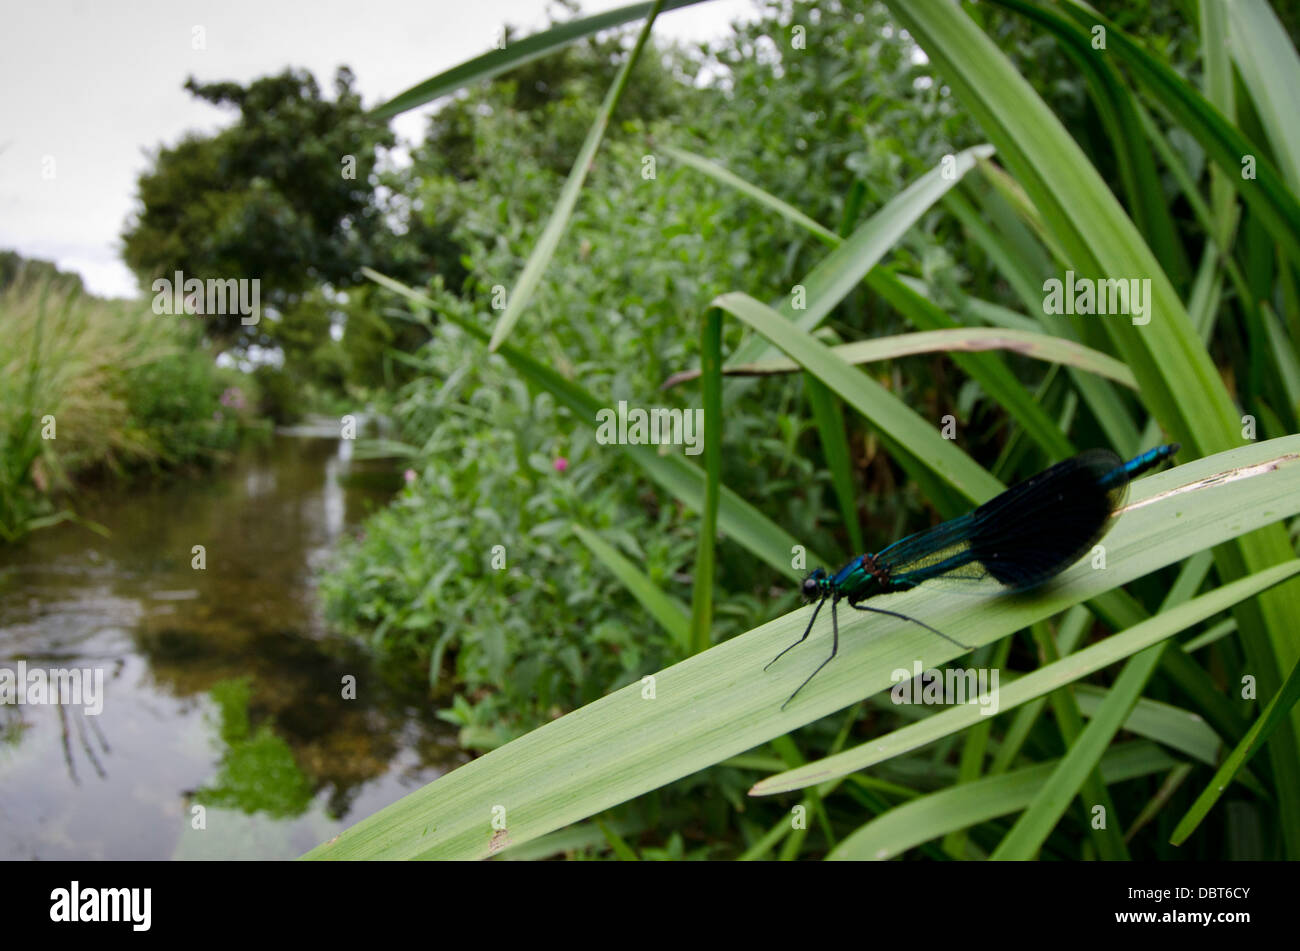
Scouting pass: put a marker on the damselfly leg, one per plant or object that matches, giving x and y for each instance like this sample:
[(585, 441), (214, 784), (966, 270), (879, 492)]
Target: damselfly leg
[(802, 639), (908, 617), (835, 647)]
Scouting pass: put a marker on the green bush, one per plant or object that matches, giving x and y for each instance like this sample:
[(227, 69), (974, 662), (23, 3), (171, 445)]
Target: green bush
[(89, 387), (554, 630), (496, 466), (182, 410), (281, 398)]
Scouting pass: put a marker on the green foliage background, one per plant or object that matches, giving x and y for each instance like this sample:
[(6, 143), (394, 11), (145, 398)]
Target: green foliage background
[(128, 393), (836, 132), (485, 446)]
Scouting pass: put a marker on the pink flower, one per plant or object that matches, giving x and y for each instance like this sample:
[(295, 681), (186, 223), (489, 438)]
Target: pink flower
[(409, 476), (561, 464)]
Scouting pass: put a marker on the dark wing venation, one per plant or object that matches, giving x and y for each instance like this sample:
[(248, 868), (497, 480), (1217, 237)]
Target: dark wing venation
[(937, 551), (1043, 525)]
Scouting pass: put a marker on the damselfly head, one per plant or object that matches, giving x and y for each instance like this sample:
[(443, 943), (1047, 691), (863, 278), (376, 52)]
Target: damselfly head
[(812, 587)]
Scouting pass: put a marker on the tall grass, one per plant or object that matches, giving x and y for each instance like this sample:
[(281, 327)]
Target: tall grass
[(90, 386)]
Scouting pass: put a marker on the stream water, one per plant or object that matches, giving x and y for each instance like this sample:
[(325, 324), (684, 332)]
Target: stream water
[(227, 729)]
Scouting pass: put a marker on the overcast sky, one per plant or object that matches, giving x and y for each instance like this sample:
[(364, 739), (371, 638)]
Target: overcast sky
[(90, 87)]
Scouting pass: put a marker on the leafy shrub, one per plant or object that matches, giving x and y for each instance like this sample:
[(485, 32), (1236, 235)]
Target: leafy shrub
[(549, 629), (92, 386), (554, 630)]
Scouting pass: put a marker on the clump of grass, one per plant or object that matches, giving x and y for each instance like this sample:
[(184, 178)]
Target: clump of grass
[(89, 385)]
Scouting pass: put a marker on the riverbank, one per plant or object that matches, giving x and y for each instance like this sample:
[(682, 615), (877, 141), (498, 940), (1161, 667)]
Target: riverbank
[(93, 390), (223, 686)]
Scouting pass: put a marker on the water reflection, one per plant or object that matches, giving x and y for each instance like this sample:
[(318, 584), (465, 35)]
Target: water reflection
[(223, 687)]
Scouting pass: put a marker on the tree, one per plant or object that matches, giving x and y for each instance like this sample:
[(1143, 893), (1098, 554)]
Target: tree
[(286, 196)]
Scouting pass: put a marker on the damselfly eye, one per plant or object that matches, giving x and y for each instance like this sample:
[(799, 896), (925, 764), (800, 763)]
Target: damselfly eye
[(810, 589)]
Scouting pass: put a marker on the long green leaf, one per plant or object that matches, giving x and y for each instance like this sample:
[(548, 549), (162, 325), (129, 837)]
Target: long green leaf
[(844, 268), (835, 447), (996, 379), (1119, 116), (737, 518), (960, 807), (867, 396), (727, 177), (1273, 716), (991, 373), (1077, 774), (1025, 343), (516, 54), (1037, 684), (522, 293), (1177, 378), (1067, 780), (667, 610), (719, 703), (702, 596), (1266, 192), (1174, 727), (1271, 71), (1010, 251)]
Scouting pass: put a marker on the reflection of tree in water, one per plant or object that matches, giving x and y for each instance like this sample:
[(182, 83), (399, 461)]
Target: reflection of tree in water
[(80, 735), (258, 772), (289, 742), (252, 614), (83, 726), (288, 732)]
